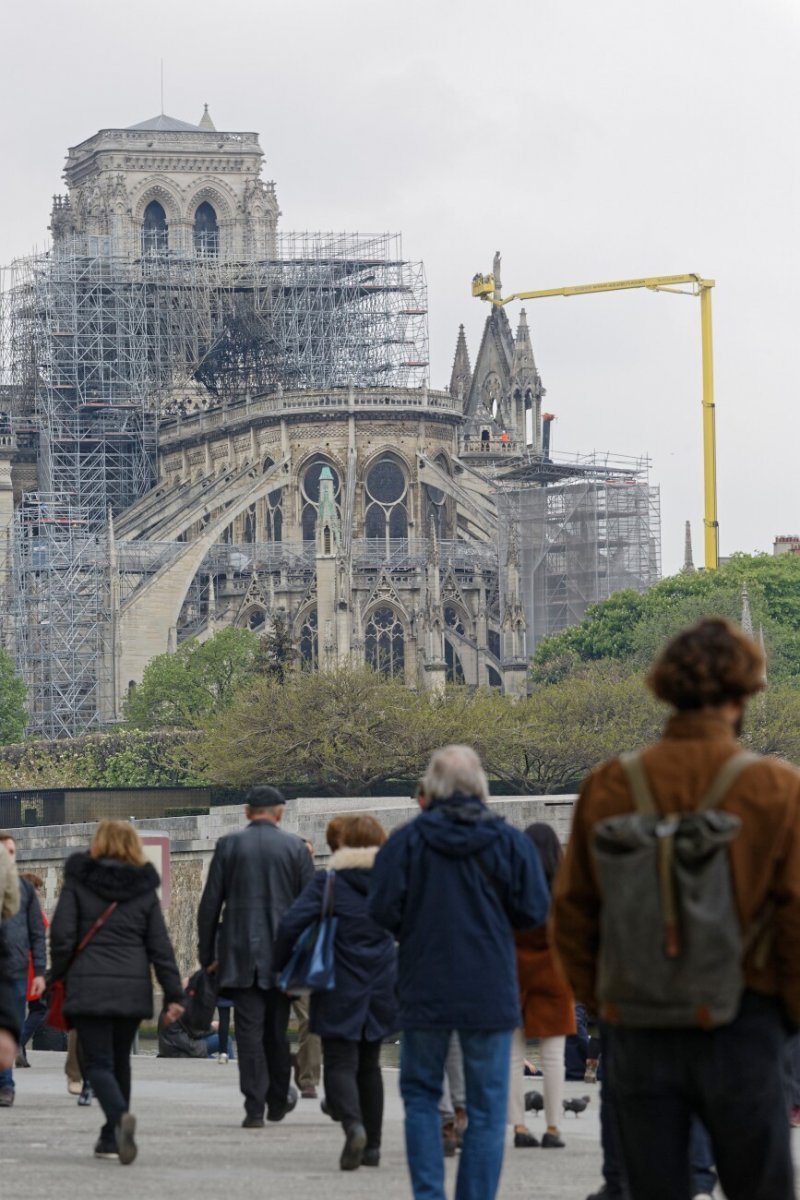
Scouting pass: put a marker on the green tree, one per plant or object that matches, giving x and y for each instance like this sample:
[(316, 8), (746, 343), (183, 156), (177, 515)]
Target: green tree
[(343, 730), (277, 653), (199, 681), (566, 728), (13, 717), (630, 627)]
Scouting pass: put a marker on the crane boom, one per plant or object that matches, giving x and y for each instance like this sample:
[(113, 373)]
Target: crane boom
[(485, 287)]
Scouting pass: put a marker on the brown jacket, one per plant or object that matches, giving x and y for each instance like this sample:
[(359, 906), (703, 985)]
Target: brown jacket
[(548, 1007), (765, 856)]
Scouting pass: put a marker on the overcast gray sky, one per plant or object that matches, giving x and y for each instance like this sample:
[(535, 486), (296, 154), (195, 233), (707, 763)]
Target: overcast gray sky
[(587, 139)]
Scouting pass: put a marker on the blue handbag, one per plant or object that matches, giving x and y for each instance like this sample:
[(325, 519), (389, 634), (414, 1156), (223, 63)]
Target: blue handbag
[(312, 966)]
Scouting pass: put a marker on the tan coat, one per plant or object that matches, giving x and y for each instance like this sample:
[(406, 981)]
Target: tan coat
[(548, 1006), (9, 885), (765, 857)]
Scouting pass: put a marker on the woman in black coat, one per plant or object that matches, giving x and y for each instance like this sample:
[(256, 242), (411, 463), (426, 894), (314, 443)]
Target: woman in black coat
[(108, 986), (353, 1018)]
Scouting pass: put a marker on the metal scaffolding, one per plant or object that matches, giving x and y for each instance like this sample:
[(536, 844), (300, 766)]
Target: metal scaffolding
[(61, 612), (582, 539), (96, 345)]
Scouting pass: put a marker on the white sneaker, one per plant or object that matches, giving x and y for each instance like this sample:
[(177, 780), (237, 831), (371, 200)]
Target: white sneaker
[(222, 1058), (702, 1196)]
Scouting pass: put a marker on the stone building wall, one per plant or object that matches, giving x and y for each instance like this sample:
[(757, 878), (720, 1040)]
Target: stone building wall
[(192, 841)]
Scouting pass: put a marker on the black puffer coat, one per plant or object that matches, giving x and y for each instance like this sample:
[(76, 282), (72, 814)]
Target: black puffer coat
[(111, 977)]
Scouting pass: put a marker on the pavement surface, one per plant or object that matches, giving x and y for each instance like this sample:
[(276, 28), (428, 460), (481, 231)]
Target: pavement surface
[(191, 1144)]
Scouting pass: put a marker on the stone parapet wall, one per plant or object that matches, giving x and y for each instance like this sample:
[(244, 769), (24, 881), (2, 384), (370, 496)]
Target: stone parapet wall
[(193, 838)]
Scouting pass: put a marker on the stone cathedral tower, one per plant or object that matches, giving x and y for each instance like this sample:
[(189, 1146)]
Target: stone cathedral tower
[(167, 185)]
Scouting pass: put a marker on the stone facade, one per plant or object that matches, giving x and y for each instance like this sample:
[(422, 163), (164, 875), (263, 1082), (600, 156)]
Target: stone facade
[(192, 841), (168, 185)]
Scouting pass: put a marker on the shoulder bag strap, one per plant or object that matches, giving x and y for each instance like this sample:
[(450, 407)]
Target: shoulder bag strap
[(328, 895), (98, 925), (725, 778), (640, 788)]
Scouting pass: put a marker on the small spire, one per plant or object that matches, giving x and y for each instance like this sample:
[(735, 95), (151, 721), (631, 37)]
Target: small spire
[(688, 561), (461, 375), (747, 616), (205, 120)]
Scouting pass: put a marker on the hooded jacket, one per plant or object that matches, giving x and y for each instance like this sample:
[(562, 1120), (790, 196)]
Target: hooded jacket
[(111, 977), (362, 1005), (451, 886), (25, 936)]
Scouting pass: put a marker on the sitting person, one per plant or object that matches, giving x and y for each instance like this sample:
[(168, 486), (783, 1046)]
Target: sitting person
[(177, 1040)]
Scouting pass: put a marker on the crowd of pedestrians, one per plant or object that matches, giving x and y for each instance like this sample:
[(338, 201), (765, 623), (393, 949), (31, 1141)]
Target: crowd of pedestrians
[(673, 919)]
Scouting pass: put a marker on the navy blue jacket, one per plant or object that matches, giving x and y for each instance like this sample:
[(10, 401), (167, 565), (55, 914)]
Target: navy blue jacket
[(450, 886), (362, 1005), (24, 933)]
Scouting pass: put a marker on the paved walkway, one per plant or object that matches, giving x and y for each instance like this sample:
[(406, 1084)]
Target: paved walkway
[(191, 1145)]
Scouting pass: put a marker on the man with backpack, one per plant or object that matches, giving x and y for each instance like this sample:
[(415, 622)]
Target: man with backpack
[(677, 918)]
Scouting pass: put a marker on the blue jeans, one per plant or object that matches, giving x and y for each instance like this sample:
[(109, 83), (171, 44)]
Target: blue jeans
[(20, 987), (486, 1067)]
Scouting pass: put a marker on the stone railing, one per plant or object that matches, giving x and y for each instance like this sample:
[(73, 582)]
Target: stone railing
[(280, 404)]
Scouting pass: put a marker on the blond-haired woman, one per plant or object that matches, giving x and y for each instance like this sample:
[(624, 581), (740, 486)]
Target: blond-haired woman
[(112, 890)]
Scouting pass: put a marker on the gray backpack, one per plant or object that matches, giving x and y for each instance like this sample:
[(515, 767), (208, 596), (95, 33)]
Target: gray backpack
[(671, 947)]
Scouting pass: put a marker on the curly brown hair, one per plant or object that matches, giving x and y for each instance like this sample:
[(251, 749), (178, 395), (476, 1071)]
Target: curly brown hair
[(710, 664)]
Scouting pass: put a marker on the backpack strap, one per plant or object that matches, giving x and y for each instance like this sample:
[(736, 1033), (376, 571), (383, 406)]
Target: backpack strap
[(637, 779), (725, 778)]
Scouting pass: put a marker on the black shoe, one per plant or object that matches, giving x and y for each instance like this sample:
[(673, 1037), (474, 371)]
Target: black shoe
[(279, 1111), (6, 1097), (326, 1108), (552, 1141), (604, 1193), (371, 1157), (523, 1140), (126, 1143), (21, 1059), (106, 1148), (252, 1122), (354, 1147), (86, 1095)]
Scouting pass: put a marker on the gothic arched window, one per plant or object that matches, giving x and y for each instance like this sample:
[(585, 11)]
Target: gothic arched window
[(384, 643), (249, 527), (454, 672), (437, 508), (273, 512), (206, 230), (452, 619), (309, 653), (310, 493), (385, 501), (154, 229), (256, 620)]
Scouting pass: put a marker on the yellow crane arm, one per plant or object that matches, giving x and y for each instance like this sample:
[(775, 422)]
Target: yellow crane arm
[(485, 287)]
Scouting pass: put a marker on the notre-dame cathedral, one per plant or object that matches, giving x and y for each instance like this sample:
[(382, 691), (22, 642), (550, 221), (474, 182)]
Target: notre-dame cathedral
[(211, 422)]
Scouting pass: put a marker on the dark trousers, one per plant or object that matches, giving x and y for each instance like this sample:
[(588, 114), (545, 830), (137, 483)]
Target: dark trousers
[(265, 1068), (354, 1086), (731, 1079), (105, 1044), (37, 1011), (20, 992), (613, 1165)]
